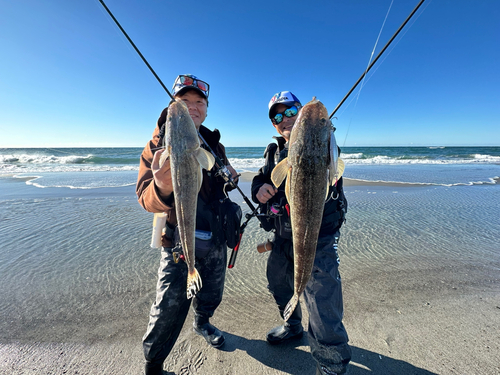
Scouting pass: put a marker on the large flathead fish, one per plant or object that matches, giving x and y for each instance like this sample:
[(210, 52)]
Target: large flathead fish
[(187, 159), (311, 167)]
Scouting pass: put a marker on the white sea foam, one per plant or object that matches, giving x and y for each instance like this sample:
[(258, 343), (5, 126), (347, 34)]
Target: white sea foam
[(247, 165), (79, 180), (358, 155), (487, 158), (44, 168), (381, 159), (253, 165), (43, 159), (95, 186)]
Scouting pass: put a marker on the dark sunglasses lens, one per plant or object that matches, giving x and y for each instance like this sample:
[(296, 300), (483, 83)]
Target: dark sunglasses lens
[(290, 112), (278, 118)]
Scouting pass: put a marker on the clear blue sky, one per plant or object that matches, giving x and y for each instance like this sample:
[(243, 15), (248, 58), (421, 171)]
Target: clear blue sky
[(69, 78)]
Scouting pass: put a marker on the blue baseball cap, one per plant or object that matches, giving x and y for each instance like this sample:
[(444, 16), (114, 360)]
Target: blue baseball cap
[(282, 97)]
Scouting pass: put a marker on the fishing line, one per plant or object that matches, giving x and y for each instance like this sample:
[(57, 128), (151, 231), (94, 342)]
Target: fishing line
[(367, 66), (389, 51), (396, 43), (378, 56), (372, 73)]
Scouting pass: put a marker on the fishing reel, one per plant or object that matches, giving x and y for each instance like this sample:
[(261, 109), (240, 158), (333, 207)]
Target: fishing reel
[(227, 176), (224, 173), (275, 210)]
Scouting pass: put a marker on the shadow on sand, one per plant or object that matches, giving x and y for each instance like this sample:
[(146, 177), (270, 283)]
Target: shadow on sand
[(291, 358)]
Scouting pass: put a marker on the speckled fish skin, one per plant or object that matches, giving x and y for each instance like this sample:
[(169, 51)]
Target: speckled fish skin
[(308, 160), (183, 147)]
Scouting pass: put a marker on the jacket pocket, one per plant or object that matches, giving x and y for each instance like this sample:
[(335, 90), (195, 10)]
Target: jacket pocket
[(203, 243)]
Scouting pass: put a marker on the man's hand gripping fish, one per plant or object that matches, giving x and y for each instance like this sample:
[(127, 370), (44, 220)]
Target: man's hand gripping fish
[(187, 158), (312, 166)]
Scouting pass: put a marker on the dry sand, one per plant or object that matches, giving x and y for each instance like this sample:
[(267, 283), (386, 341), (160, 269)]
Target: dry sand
[(398, 322)]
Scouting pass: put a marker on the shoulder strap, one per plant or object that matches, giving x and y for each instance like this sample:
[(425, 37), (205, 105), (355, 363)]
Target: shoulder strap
[(269, 156)]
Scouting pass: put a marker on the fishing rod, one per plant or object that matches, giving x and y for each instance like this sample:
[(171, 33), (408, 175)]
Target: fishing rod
[(234, 253), (222, 169), (227, 176), (136, 49), (376, 58)]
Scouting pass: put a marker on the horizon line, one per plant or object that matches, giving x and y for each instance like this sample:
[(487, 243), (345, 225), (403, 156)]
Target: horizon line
[(437, 146)]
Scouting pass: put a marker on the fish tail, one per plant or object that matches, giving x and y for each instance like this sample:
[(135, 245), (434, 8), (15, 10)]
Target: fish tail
[(193, 283), (290, 307)]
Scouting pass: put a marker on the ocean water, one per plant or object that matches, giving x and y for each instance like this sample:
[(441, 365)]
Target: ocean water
[(88, 168), (76, 265)]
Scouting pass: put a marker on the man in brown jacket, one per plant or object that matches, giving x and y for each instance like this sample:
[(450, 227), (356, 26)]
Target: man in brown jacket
[(155, 193)]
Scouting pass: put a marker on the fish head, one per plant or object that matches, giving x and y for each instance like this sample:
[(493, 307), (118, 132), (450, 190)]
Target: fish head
[(180, 127), (313, 114)]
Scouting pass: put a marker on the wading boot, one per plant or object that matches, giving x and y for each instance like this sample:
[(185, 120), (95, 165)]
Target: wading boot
[(322, 370), (284, 333), (212, 335), (156, 369)]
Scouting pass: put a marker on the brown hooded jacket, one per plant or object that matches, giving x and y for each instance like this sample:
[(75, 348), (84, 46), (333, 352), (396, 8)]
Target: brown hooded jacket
[(147, 192)]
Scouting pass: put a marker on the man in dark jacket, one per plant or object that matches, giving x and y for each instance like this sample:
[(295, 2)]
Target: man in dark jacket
[(155, 192), (323, 294)]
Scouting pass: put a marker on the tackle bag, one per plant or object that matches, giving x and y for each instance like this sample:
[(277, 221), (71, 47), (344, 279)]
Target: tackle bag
[(230, 215)]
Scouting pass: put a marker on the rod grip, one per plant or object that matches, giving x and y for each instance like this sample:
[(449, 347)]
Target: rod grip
[(234, 253), (159, 222)]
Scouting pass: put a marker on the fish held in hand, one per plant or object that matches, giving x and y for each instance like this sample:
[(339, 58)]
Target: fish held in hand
[(187, 158), (311, 167)]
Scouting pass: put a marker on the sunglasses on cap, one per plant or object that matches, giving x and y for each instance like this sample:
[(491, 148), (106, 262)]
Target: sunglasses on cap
[(187, 81), (289, 112)]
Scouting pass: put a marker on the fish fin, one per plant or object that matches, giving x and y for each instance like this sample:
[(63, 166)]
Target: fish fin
[(205, 158), (280, 172), (164, 156), (337, 174), (288, 188), (340, 169), (290, 307), (199, 178), (334, 157), (194, 283), (332, 179)]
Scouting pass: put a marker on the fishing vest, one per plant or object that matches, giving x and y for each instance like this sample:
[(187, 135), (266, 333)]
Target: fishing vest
[(215, 212), (275, 213)]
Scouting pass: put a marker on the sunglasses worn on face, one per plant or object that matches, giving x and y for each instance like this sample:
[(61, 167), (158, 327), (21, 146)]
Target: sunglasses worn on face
[(289, 112), (184, 81)]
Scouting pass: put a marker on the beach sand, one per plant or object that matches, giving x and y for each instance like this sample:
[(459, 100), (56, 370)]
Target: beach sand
[(417, 300)]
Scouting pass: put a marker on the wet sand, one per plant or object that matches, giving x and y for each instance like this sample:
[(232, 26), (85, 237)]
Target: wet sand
[(410, 308)]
